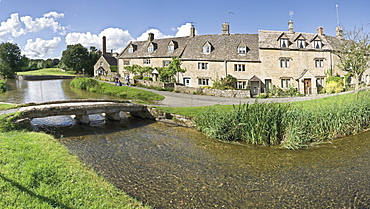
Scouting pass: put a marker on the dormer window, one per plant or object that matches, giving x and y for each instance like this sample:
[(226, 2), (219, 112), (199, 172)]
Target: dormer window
[(150, 49), (242, 50), (317, 44), (284, 43), (130, 50), (207, 48), (301, 43), (171, 48)]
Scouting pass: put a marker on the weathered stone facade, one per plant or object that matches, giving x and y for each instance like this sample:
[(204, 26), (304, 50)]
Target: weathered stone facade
[(258, 61)]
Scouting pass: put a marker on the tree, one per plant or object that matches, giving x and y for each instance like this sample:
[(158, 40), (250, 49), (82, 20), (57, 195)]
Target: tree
[(355, 54), (75, 57), (93, 57), (166, 74), (11, 59)]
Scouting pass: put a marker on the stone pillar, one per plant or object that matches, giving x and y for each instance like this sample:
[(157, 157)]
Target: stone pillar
[(113, 116), (82, 119)]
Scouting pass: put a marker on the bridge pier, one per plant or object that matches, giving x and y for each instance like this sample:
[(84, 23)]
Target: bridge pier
[(83, 119), (113, 116)]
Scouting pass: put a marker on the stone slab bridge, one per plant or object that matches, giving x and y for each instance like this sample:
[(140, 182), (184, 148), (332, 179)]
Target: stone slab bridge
[(83, 108)]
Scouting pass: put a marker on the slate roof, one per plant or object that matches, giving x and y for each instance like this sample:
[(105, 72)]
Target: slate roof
[(111, 60), (271, 40), (224, 47)]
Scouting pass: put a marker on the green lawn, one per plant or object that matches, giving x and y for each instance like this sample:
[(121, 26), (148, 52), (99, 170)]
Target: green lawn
[(36, 171), (307, 104), (48, 71)]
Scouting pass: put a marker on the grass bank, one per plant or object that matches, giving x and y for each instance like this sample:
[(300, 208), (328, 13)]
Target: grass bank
[(124, 92), (291, 125), (48, 71), (36, 171)]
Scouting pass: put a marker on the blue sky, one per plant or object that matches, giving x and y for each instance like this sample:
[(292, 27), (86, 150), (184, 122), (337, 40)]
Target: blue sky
[(43, 28)]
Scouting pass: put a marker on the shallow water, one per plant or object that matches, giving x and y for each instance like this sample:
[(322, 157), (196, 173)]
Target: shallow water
[(175, 167)]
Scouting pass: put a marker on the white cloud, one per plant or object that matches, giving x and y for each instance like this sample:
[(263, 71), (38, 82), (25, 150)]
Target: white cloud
[(117, 39), (157, 35), (40, 48), (10, 26), (17, 26), (184, 30)]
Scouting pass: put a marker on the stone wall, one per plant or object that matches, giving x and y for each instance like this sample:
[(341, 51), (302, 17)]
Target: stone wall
[(213, 92), (154, 84)]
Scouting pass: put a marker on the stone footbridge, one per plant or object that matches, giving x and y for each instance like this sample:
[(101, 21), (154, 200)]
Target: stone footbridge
[(83, 108)]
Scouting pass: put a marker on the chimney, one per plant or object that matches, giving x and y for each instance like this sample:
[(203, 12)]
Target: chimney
[(192, 31), (225, 28), (104, 47), (150, 37), (339, 32), (290, 27), (320, 31)]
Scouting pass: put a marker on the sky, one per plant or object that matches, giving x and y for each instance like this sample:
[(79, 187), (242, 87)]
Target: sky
[(43, 28)]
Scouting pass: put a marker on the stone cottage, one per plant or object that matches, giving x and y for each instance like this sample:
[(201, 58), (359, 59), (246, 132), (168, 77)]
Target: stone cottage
[(107, 63), (258, 61)]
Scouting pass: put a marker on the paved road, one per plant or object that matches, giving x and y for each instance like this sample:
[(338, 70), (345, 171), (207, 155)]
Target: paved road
[(173, 99)]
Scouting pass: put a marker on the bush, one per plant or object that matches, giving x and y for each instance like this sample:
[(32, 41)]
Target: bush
[(147, 78), (137, 77), (84, 83), (2, 86), (334, 85)]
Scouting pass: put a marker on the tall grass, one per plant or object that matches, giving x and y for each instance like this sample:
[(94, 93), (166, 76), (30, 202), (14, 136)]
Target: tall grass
[(124, 92), (290, 126)]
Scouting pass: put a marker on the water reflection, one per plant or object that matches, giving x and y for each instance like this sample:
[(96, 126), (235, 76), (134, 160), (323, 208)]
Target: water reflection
[(177, 167), (25, 91)]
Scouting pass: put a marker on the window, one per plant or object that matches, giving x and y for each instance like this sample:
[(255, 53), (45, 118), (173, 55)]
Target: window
[(146, 62), (203, 81), (285, 83), (239, 67), (187, 81), (131, 50), (320, 82), (126, 62), (202, 66), (171, 48), (317, 44), (241, 84), (319, 63), (268, 85), (284, 42), (150, 49), (207, 47), (166, 63), (242, 50), (285, 62), (301, 43), (101, 63)]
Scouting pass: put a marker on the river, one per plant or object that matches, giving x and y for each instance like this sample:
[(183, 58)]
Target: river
[(168, 166)]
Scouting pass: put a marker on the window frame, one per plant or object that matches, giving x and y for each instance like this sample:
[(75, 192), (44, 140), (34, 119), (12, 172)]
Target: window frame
[(202, 65), (147, 61), (301, 42), (317, 44), (285, 83), (203, 81), (284, 41), (242, 50), (319, 63), (239, 67), (285, 62)]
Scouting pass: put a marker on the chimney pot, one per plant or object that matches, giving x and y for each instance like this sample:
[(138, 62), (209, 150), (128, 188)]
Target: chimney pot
[(225, 28), (320, 30), (192, 31), (290, 26), (150, 37), (339, 32), (104, 47)]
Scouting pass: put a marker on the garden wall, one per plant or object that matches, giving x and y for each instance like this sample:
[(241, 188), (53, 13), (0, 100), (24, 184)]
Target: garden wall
[(213, 92)]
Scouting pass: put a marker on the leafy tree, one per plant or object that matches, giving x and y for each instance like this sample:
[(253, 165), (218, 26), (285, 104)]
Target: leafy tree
[(134, 69), (11, 59), (355, 54), (166, 74), (75, 57), (93, 57)]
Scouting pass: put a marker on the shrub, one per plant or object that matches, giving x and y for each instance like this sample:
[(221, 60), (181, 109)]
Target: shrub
[(84, 83), (334, 85), (147, 78), (137, 77), (2, 86)]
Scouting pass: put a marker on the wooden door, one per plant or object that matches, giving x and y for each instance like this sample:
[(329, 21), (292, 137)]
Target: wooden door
[(307, 86)]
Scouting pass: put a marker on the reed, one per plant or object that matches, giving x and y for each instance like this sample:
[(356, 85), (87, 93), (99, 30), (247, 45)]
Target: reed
[(290, 126)]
